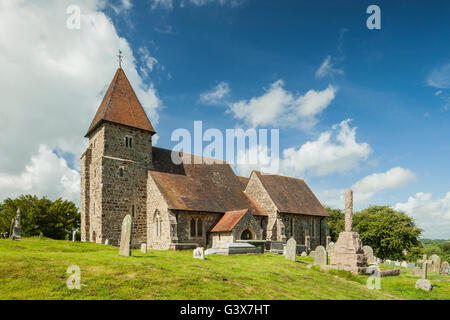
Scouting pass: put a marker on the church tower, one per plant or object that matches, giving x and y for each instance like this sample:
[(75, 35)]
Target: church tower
[(114, 167)]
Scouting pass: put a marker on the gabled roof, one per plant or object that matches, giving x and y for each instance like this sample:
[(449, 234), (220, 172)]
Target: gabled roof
[(291, 195), (244, 181), (229, 220), (199, 187), (121, 105)]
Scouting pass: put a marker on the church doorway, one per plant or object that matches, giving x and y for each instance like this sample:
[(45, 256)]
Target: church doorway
[(246, 235)]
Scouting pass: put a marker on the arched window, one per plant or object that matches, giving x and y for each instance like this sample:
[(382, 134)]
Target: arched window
[(199, 228), (158, 224), (193, 227)]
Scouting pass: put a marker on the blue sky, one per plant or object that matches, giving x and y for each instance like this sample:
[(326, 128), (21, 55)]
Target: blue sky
[(393, 83)]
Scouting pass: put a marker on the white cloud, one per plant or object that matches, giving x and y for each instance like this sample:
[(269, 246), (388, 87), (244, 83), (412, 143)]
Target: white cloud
[(124, 5), (440, 77), (278, 107), (148, 61), (334, 151), (392, 179), (367, 187), (216, 95), (327, 69), (46, 175), (431, 215), (54, 78)]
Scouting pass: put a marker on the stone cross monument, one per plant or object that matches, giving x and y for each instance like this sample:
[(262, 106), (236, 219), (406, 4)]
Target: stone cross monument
[(348, 211), (348, 253)]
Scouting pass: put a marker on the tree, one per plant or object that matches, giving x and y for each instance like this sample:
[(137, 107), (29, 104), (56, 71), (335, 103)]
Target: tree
[(54, 219), (336, 222), (387, 231)]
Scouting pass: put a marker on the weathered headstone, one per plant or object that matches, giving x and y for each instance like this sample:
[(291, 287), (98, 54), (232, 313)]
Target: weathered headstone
[(424, 284), (397, 263), (328, 240), (17, 231), (74, 236), (291, 249), (125, 237), (331, 246), (404, 264), (320, 256), (144, 248), (107, 242), (445, 267), (417, 271), (311, 254), (199, 253), (411, 265), (435, 264), (304, 254), (387, 261), (368, 252)]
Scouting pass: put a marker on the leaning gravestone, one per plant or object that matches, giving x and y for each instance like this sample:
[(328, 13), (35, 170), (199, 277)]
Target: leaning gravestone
[(320, 256), (436, 263), (125, 237), (291, 249), (445, 267), (144, 248), (368, 252)]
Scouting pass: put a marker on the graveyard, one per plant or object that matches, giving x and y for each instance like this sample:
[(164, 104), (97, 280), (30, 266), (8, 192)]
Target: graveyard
[(36, 268)]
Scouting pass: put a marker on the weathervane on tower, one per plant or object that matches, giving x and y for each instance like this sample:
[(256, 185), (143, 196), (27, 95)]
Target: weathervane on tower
[(120, 59)]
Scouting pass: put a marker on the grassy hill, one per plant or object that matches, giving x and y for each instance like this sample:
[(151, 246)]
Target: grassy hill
[(36, 269)]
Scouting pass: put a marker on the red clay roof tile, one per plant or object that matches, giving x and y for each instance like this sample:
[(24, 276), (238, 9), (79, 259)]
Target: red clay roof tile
[(229, 220), (121, 105)]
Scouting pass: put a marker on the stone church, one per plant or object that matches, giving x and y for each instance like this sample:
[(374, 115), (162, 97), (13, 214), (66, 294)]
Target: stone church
[(181, 206)]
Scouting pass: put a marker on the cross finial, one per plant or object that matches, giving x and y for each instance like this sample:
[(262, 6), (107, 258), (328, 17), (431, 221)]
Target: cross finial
[(120, 58)]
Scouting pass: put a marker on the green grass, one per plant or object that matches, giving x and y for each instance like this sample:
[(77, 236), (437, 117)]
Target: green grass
[(36, 269)]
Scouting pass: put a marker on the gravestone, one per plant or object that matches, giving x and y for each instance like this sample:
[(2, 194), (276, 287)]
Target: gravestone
[(445, 267), (425, 263), (417, 271), (311, 254), (199, 253), (424, 284), (435, 264), (291, 249), (327, 242), (404, 264), (368, 252), (320, 256), (17, 231), (125, 237), (144, 248), (74, 236), (304, 254), (411, 265), (397, 263), (331, 246), (388, 261), (107, 242)]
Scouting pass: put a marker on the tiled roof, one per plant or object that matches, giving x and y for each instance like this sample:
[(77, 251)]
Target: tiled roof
[(199, 187), (229, 220), (121, 105), (291, 195), (244, 182)]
